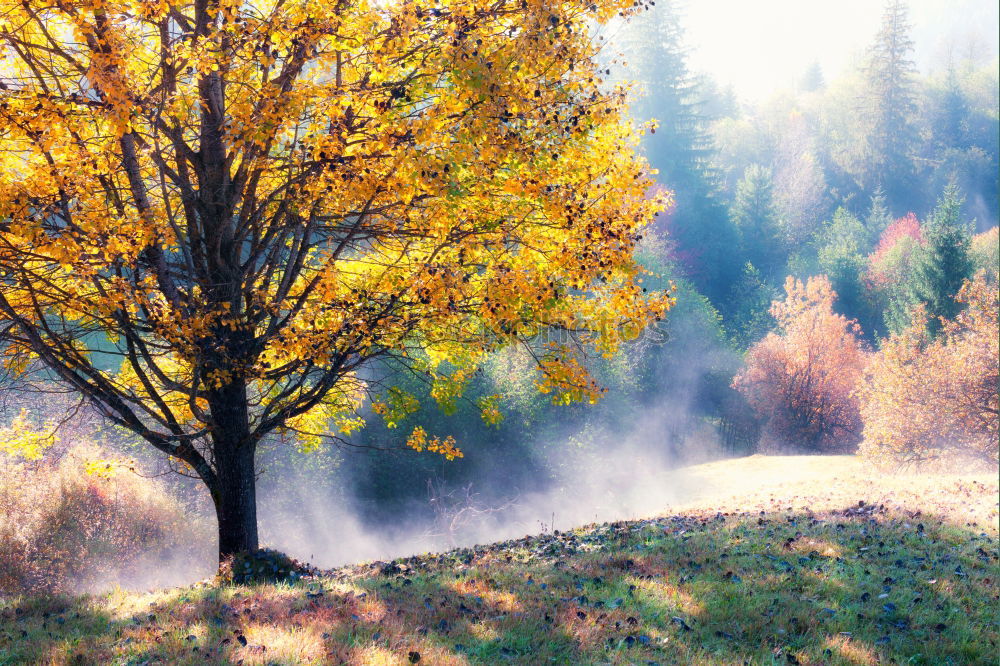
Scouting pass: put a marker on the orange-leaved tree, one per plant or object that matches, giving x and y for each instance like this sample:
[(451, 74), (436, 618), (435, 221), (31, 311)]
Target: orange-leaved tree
[(213, 214), (924, 399), (800, 378)]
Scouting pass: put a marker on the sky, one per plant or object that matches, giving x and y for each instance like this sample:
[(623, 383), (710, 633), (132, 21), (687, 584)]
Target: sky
[(761, 46)]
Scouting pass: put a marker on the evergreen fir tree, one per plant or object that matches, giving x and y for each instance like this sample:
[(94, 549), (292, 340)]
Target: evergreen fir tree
[(755, 215), (879, 217), (680, 148), (813, 79), (951, 118), (843, 244), (891, 135), (945, 262), (750, 319)]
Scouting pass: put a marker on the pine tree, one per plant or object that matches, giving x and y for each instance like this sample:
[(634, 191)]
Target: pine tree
[(879, 217), (843, 242), (657, 58), (946, 261), (680, 148), (890, 132), (751, 318), (755, 215), (951, 119), (813, 79)]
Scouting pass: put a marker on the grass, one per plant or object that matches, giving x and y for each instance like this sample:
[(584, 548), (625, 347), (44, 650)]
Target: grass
[(797, 560)]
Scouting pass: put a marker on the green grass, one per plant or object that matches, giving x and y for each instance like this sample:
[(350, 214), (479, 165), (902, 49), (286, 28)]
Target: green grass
[(907, 580)]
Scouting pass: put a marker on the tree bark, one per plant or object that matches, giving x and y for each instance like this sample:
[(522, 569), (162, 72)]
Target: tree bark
[(236, 504), (235, 492)]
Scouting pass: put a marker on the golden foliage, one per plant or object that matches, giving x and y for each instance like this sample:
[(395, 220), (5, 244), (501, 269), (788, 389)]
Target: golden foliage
[(22, 439), (418, 442), (254, 199), (924, 399)]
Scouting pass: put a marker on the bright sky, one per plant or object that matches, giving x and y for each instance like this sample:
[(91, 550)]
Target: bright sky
[(759, 46)]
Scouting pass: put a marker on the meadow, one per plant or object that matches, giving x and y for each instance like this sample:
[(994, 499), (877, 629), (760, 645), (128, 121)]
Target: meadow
[(787, 560)]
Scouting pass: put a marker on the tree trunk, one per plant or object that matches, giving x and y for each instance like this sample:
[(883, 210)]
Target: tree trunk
[(235, 492), (236, 502)]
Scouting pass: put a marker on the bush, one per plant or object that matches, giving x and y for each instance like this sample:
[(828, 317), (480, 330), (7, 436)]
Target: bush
[(65, 530), (926, 399), (263, 565), (985, 253), (800, 379)]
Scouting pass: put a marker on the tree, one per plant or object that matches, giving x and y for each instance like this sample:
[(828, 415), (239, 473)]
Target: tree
[(924, 399), (680, 148), (799, 184), (216, 215), (890, 270), (812, 78), (800, 379), (890, 105), (950, 117), (944, 263), (985, 253), (842, 242), (751, 319), (654, 49), (878, 218), (959, 136), (755, 214)]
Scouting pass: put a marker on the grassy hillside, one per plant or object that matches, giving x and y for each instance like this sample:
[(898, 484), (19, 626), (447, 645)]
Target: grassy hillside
[(790, 560)]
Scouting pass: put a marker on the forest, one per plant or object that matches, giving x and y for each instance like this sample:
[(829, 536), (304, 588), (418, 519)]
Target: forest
[(289, 287)]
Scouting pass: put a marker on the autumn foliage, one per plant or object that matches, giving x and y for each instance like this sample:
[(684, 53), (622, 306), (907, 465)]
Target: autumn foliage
[(215, 214), (890, 261), (925, 399), (985, 252), (800, 379), (63, 529)]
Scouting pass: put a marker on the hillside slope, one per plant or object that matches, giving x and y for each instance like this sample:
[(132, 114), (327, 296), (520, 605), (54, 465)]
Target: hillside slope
[(778, 560)]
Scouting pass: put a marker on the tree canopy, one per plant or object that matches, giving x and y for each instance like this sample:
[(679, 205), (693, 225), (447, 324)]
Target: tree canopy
[(214, 214)]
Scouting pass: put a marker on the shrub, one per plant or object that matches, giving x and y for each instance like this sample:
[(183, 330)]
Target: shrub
[(926, 399), (800, 379), (263, 565), (986, 252), (63, 529)]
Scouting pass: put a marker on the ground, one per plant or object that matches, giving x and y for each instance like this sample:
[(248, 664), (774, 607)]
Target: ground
[(773, 560)]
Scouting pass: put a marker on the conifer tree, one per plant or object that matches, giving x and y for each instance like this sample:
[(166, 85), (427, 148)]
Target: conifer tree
[(813, 79), (843, 242), (890, 105), (945, 263), (879, 216), (951, 118), (751, 318), (755, 215), (680, 147)]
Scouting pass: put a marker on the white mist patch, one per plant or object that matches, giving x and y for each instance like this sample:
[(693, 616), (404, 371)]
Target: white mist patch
[(158, 569), (615, 479)]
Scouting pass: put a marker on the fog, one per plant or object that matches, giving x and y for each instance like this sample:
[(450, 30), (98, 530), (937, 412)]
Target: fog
[(832, 34), (630, 479), (587, 465)]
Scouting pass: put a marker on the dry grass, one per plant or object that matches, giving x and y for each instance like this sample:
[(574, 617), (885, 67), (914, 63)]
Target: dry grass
[(64, 530), (823, 483)]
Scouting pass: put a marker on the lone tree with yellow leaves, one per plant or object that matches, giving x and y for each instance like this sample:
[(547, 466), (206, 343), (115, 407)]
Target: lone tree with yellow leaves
[(214, 213)]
